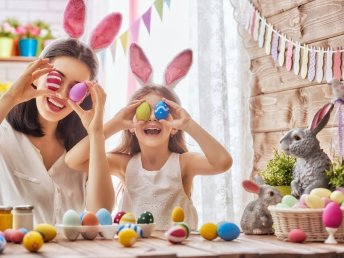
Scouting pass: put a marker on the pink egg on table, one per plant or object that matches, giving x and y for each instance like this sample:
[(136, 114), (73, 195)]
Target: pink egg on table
[(17, 236), (176, 234), (297, 236), (118, 217), (78, 92), (332, 215), (302, 200)]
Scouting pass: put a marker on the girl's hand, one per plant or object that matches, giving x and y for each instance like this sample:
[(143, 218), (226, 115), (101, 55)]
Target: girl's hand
[(92, 119), (124, 117), (22, 89), (181, 118)]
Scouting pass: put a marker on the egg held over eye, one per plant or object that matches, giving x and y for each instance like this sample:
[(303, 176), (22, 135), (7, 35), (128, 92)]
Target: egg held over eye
[(161, 110), (78, 92), (143, 112)]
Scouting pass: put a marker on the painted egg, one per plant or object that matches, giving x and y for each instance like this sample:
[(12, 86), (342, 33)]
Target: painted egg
[(48, 231), (8, 234), (177, 214), (24, 230), (289, 200), (128, 218), (2, 244), (326, 200), (282, 206), (337, 196), (145, 218), (2, 234), (332, 215), (17, 236), (104, 217), (90, 219), (54, 80), (127, 237), (143, 112), (297, 236), (71, 218), (82, 215), (314, 202), (78, 92), (33, 241), (176, 234), (228, 231), (161, 110), (185, 226), (321, 192), (209, 231), (302, 200), (118, 217), (134, 227)]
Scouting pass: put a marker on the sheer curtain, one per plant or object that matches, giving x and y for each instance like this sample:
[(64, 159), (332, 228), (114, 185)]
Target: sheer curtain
[(215, 92)]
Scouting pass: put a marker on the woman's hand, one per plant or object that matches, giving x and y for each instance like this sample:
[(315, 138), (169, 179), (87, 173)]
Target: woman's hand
[(181, 118)]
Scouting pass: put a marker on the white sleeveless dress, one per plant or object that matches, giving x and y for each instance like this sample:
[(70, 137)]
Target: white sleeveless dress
[(157, 191)]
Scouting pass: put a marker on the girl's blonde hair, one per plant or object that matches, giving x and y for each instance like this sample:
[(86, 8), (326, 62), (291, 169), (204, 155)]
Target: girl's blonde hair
[(129, 144)]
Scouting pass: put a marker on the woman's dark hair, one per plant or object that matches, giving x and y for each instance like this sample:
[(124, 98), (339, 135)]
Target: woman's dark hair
[(24, 117)]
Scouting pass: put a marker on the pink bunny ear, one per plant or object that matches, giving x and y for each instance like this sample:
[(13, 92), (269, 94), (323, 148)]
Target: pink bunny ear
[(178, 68), (106, 31), (139, 64), (74, 18), (250, 186), (321, 118)]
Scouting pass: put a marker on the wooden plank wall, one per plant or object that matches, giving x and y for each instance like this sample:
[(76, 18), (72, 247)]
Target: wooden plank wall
[(281, 100)]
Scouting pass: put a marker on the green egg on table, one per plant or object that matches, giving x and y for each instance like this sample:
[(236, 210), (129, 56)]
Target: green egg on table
[(289, 200)]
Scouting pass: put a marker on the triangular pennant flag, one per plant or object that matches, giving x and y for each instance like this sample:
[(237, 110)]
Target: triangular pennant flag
[(168, 2), (159, 6), (113, 50), (146, 17), (124, 41), (134, 29)]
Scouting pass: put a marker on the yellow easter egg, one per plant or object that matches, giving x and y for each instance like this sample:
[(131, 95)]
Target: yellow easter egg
[(48, 231), (208, 231), (314, 201), (127, 237), (128, 218), (321, 192), (177, 214), (337, 196), (33, 241), (143, 112)]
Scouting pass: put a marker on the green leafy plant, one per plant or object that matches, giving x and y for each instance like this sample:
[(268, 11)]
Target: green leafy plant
[(8, 27), (336, 173), (279, 170)]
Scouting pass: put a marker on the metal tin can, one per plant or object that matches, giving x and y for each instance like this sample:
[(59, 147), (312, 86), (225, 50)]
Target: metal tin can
[(6, 217), (23, 217)]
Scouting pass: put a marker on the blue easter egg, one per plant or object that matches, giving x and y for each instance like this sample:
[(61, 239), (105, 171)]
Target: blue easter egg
[(82, 215), (228, 231), (134, 227), (2, 243), (161, 110), (104, 217), (24, 230)]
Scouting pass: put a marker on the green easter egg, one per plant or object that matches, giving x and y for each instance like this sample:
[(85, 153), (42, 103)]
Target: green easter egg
[(145, 218), (289, 200), (143, 112)]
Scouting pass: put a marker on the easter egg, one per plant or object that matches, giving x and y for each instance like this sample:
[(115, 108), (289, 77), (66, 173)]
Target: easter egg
[(90, 219), (104, 217), (302, 200), (228, 231), (127, 237), (2, 243), (177, 214), (145, 218), (289, 200), (337, 196), (134, 227), (54, 80), (78, 92), (71, 218), (282, 206), (209, 231), (175, 234), (17, 236), (128, 218), (185, 226), (8, 234), (314, 202), (161, 110), (321, 192), (332, 215), (33, 241), (143, 112), (118, 217), (297, 236), (48, 231), (24, 230), (82, 214), (326, 200)]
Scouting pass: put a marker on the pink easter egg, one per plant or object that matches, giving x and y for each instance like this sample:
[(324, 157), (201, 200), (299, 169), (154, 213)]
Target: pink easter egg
[(326, 200), (17, 236), (332, 215), (302, 200), (78, 92), (297, 236), (176, 234), (118, 217)]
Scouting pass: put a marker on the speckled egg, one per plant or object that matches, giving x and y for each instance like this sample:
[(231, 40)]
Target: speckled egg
[(332, 215), (127, 237), (17, 236), (297, 236), (118, 217), (177, 214), (134, 227), (143, 112), (78, 92), (104, 217), (175, 234), (128, 218), (161, 110), (90, 219), (185, 226), (48, 231), (71, 218), (33, 241), (2, 243), (145, 218), (209, 231), (289, 200), (228, 231)]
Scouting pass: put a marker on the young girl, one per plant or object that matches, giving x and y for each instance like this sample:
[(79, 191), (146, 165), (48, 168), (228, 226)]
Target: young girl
[(152, 161)]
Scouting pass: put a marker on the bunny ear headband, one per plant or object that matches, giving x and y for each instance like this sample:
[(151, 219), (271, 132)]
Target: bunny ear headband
[(175, 71)]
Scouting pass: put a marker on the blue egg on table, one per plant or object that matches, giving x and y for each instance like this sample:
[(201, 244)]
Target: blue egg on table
[(134, 227), (228, 231), (24, 230), (2, 243), (82, 214), (161, 110), (104, 217)]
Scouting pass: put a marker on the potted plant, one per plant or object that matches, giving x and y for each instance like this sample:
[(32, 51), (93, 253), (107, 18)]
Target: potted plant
[(336, 174), (28, 39), (45, 35), (279, 172), (7, 32)]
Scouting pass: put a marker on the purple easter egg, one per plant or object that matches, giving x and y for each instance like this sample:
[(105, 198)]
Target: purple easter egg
[(78, 92)]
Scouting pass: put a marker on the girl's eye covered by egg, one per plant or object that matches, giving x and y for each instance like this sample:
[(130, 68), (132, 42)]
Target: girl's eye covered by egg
[(161, 111)]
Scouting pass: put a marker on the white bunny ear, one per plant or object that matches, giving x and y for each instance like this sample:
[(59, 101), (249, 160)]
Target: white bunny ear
[(178, 68), (74, 18), (139, 64), (106, 31)]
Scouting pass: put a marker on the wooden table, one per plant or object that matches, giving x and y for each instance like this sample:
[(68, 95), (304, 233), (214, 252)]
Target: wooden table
[(195, 246)]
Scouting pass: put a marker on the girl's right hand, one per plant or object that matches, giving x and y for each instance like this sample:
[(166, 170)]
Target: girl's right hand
[(22, 89), (124, 119)]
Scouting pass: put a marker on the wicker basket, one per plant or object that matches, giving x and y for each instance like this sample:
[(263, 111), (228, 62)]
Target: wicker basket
[(309, 220)]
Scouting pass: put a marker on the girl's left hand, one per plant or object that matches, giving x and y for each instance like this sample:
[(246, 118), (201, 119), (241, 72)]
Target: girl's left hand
[(181, 118)]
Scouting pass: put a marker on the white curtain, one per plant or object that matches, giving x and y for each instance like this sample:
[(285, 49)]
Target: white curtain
[(215, 92)]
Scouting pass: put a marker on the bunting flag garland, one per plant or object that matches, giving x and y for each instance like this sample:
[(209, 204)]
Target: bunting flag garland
[(304, 63), (311, 68), (288, 62), (297, 59), (337, 64), (329, 66), (320, 66)]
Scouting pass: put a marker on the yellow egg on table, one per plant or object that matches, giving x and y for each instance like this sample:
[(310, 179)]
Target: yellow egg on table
[(33, 241), (337, 196), (47, 231), (128, 218), (208, 231), (127, 237), (321, 192), (177, 214), (314, 201)]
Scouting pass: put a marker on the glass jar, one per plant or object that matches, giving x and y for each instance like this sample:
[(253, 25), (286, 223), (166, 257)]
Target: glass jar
[(6, 218), (23, 217)]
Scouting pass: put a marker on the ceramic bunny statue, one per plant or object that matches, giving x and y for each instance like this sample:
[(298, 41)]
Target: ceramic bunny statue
[(256, 219), (312, 161)]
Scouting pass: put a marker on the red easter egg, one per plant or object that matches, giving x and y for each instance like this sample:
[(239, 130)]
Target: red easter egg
[(332, 215), (8, 234), (297, 236), (89, 219), (176, 234), (17, 236), (118, 217)]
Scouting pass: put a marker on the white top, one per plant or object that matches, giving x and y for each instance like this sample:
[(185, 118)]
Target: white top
[(25, 180), (157, 191)]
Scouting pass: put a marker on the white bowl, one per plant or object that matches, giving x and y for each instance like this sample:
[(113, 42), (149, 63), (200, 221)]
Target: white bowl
[(147, 229), (88, 232)]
